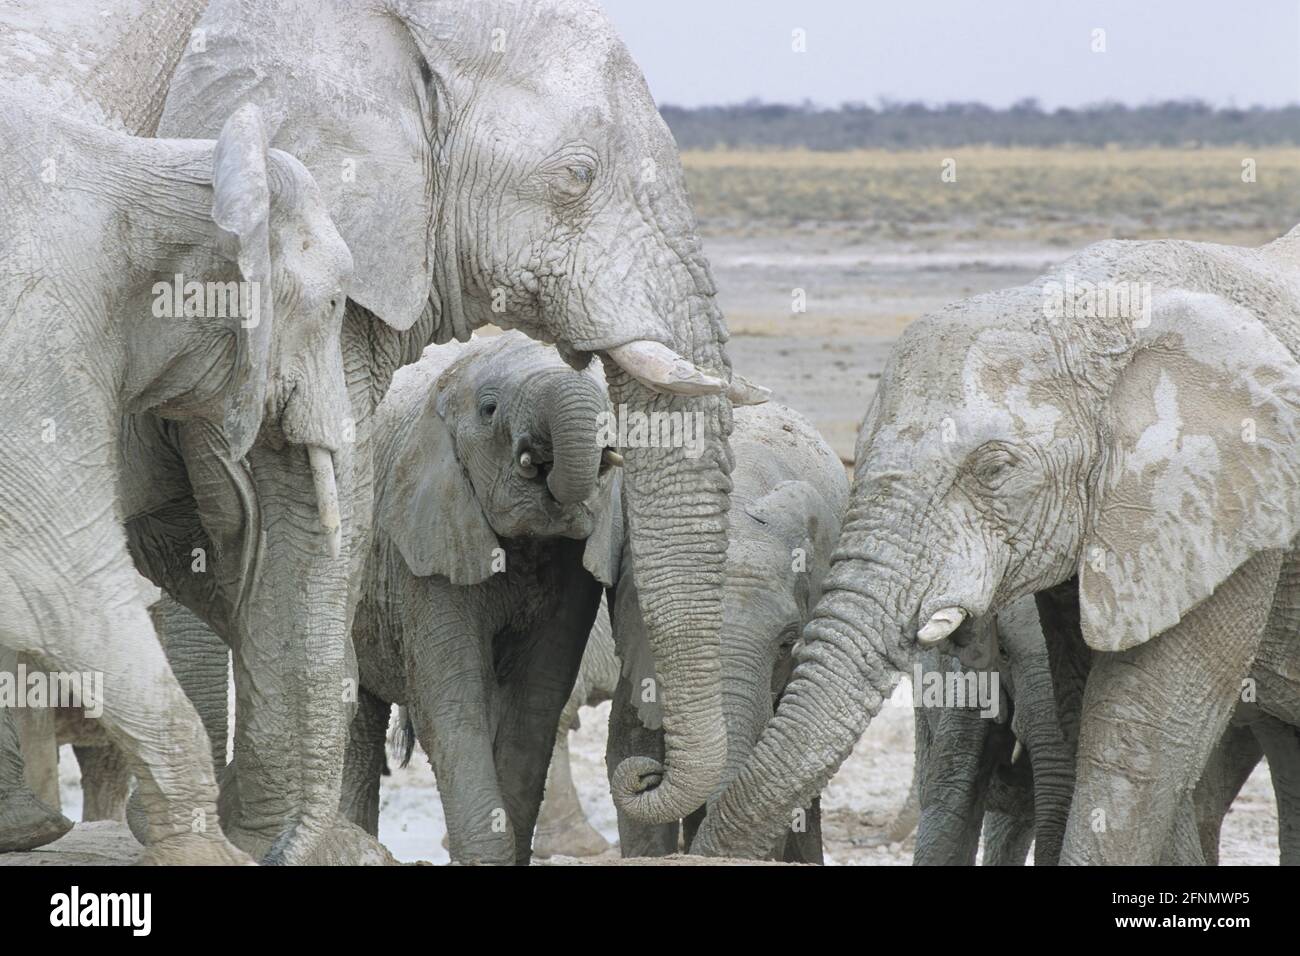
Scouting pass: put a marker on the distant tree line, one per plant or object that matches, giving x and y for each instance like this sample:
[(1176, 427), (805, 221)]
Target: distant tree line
[(896, 125)]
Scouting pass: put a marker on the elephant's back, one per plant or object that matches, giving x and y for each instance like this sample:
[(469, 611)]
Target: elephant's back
[(1265, 282)]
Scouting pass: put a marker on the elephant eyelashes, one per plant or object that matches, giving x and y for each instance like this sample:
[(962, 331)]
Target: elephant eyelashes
[(993, 466), (571, 182)]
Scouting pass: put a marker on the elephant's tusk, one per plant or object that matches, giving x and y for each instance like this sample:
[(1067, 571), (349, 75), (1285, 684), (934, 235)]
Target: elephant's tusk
[(327, 496), (610, 457), (742, 391), (1017, 751), (655, 365), (942, 623), (525, 460)]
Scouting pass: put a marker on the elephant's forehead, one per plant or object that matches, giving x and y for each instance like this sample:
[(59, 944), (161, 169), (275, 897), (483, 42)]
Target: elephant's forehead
[(970, 384), (1009, 385)]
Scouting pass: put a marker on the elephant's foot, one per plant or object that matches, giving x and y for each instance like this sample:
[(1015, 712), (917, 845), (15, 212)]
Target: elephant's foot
[(572, 837), (343, 844), (27, 823), (194, 849)]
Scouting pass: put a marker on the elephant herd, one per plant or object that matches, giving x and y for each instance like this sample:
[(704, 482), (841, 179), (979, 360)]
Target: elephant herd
[(245, 246)]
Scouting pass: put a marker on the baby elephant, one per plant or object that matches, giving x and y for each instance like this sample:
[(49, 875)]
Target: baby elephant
[(789, 496), (494, 539)]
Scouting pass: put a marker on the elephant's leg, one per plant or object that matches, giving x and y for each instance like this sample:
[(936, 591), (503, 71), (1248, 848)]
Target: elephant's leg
[(363, 764), (628, 737), (904, 822), (1277, 682), (145, 712), (1007, 838), (26, 822), (1281, 744), (449, 677), (1009, 815), (105, 782), (38, 740), (1183, 848), (1230, 764), (803, 845), (1152, 715), (531, 703), (457, 737), (562, 827)]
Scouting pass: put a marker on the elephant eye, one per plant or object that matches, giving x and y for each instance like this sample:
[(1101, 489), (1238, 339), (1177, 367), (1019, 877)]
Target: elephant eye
[(994, 466), (571, 182), (488, 410)]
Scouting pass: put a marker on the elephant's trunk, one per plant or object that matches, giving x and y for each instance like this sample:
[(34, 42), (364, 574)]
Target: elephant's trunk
[(844, 673), (676, 505), (570, 407), (294, 675), (747, 691), (1050, 757)]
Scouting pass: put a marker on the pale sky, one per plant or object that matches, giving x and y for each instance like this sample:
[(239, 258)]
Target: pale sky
[(1226, 52)]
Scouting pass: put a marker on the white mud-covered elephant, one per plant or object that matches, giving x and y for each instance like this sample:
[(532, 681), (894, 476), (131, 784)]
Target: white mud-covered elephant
[(1130, 421)]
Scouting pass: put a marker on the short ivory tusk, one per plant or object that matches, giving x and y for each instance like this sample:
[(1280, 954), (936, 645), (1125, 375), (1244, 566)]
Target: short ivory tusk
[(610, 457), (327, 495), (941, 624), (525, 460), (659, 367), (1017, 751)]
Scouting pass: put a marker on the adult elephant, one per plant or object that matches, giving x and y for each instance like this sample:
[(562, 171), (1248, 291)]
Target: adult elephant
[(1133, 418), (499, 162), (106, 63)]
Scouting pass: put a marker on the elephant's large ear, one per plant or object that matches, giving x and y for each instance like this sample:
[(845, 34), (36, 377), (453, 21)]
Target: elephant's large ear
[(604, 551), (1200, 468), (426, 504), (632, 645), (241, 205), (810, 526), (346, 90)]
